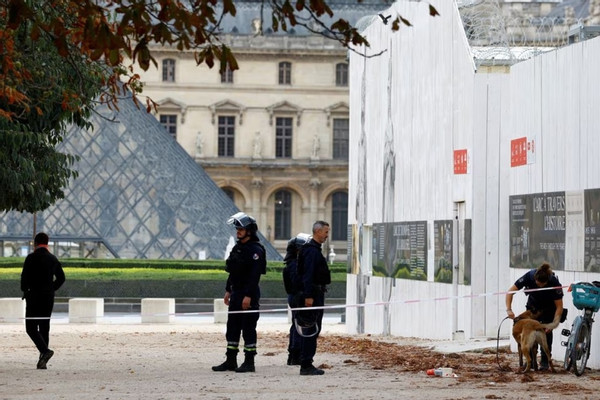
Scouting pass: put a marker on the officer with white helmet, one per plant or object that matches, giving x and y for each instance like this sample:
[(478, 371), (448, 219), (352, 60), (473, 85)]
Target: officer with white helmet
[(245, 264)]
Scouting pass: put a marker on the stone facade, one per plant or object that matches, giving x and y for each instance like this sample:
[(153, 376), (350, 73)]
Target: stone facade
[(269, 145)]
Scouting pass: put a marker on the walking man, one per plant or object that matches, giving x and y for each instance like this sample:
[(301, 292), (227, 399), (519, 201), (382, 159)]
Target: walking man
[(314, 275), (245, 264), (42, 275)]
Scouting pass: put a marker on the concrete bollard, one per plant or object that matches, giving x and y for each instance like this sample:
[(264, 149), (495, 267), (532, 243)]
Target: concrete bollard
[(220, 311), (158, 310), (86, 310), (12, 310)]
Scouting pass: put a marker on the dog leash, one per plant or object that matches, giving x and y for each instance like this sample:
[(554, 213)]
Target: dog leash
[(498, 345)]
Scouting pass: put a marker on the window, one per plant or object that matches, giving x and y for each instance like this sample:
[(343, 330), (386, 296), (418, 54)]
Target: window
[(226, 136), (341, 74), (283, 214), (227, 75), (339, 216), (229, 193), (168, 70), (170, 124), (166, 221), (283, 138), (107, 220), (340, 138), (285, 73)]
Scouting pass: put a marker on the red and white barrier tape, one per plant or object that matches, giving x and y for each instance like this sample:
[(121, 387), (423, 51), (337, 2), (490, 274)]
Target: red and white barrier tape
[(279, 310)]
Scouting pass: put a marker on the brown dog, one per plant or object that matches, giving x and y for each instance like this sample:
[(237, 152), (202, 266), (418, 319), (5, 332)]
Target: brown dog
[(528, 333)]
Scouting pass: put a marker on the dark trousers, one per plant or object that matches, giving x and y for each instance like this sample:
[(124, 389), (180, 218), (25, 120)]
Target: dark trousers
[(309, 344), (546, 318), (295, 342), (39, 307), (544, 359), (242, 325)]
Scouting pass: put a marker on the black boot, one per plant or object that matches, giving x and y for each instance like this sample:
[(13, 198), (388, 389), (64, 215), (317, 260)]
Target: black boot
[(307, 368), (248, 364), (230, 363)]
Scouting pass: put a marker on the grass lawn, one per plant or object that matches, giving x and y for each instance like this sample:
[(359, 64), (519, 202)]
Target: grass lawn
[(109, 274)]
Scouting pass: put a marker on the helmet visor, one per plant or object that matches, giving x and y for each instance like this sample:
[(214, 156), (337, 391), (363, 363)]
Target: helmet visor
[(240, 220)]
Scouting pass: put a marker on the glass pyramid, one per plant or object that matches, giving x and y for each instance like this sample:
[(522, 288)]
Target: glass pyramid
[(138, 195)]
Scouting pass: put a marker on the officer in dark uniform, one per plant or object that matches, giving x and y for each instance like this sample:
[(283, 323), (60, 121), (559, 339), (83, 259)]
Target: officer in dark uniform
[(290, 273), (42, 275), (313, 276), (246, 263), (548, 303)]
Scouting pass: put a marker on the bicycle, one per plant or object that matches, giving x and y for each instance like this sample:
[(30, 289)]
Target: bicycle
[(586, 297)]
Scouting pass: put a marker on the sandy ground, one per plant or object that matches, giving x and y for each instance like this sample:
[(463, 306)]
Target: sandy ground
[(173, 361)]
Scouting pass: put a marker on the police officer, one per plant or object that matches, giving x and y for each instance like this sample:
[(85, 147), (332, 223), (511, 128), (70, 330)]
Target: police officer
[(313, 275), (290, 274), (245, 264), (548, 303)]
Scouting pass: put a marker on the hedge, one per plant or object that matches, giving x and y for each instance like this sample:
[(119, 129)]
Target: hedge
[(12, 262), (140, 288), (154, 288)]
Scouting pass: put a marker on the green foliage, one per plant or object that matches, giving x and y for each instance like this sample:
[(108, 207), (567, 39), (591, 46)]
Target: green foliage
[(59, 57), (444, 271), (55, 91)]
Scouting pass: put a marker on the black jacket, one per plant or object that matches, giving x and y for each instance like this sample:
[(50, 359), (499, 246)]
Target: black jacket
[(541, 300), (245, 264), (313, 271), (42, 272)]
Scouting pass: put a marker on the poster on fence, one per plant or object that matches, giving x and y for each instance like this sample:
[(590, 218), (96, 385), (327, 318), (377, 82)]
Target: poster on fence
[(400, 250), (442, 238), (537, 230), (592, 230)]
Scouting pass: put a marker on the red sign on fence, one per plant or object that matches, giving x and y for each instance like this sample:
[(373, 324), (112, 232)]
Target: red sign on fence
[(518, 152), (461, 163)]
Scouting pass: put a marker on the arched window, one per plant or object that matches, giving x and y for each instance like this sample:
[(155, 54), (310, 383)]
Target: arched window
[(229, 193), (166, 221), (283, 214), (339, 216), (107, 220), (168, 65)]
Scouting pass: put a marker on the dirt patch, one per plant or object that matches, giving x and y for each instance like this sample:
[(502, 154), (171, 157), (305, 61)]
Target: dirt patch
[(174, 362)]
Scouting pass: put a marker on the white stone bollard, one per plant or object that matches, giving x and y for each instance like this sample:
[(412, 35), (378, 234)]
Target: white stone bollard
[(158, 310), (12, 310), (86, 310), (220, 311)]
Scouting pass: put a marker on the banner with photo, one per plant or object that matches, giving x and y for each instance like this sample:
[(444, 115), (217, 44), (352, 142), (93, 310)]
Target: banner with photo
[(442, 238), (400, 250), (467, 255), (592, 230), (537, 230)]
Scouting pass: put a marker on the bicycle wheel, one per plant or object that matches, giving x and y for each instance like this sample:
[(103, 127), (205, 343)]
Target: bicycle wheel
[(569, 350), (568, 357), (581, 350)]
